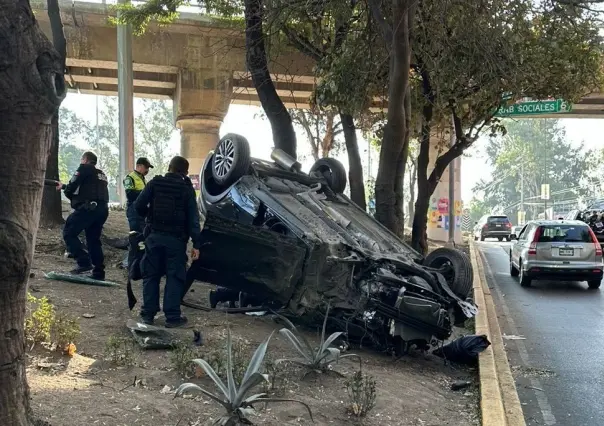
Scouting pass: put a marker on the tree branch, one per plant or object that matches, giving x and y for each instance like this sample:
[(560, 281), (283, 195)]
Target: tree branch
[(302, 43), (58, 36), (378, 17)]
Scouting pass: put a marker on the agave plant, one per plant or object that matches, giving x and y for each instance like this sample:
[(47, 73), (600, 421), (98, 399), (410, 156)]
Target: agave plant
[(235, 399), (314, 359)]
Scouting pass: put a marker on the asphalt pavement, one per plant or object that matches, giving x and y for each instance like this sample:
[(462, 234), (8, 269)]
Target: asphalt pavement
[(555, 344)]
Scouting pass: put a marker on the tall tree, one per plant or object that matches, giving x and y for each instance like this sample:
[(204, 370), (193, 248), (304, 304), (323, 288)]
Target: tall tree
[(321, 128), (464, 67), (395, 19), (52, 212), (32, 87), (154, 129), (532, 153)]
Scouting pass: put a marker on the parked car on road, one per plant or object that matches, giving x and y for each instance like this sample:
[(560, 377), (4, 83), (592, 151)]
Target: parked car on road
[(294, 240), (492, 226), (556, 250)]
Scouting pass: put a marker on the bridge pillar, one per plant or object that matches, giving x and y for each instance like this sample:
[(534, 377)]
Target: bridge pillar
[(438, 210), (201, 103)]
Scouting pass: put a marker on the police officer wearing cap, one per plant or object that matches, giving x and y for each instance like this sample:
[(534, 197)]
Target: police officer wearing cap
[(169, 205), (134, 183), (87, 190)]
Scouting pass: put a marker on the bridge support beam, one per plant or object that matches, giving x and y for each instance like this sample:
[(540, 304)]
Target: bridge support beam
[(201, 103), (438, 211)]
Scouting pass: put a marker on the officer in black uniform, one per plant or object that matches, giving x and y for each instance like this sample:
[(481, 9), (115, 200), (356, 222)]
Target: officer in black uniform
[(169, 205), (89, 196)]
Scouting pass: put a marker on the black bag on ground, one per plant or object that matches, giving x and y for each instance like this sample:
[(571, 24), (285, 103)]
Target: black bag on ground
[(135, 257), (464, 350)]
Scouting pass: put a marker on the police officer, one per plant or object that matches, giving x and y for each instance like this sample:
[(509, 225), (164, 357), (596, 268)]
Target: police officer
[(169, 205), (89, 196), (134, 184)]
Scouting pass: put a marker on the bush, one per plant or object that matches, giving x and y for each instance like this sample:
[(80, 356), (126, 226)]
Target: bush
[(120, 350), (39, 320), (361, 394)]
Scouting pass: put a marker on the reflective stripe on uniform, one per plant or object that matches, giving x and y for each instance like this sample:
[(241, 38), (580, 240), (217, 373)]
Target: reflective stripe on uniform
[(134, 181)]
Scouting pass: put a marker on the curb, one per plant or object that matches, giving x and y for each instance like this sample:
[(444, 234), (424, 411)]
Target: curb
[(499, 402)]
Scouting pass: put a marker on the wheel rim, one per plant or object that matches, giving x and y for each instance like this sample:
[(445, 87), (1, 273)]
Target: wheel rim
[(224, 158)]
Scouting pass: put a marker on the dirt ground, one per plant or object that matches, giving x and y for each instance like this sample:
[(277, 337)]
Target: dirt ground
[(88, 389)]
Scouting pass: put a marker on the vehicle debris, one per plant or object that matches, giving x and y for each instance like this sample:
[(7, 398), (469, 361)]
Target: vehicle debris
[(464, 350), (281, 238)]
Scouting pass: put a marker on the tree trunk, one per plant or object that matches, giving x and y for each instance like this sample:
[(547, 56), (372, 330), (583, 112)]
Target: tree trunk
[(395, 128), (284, 136), (328, 138), (399, 184), (52, 209), (31, 89), (412, 180), (355, 167)]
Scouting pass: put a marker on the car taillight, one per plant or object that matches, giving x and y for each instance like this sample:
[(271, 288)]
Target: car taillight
[(485, 226), (596, 242), (509, 225), (533, 247)]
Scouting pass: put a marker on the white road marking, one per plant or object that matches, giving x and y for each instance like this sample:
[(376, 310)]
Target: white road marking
[(542, 401)]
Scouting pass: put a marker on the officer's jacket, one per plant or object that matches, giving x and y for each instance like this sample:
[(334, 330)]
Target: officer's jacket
[(168, 203), (87, 184), (134, 184)]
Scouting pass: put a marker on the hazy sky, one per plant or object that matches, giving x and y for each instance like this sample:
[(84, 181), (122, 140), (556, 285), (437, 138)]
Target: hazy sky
[(244, 120)]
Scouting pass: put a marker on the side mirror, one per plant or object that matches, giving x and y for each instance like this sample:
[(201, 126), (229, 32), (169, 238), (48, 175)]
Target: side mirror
[(513, 237), (476, 223)]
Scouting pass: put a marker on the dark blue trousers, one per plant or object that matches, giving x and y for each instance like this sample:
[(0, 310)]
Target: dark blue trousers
[(91, 222), (164, 255)]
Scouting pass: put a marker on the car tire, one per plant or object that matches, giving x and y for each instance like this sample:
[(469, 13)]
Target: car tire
[(482, 238), (524, 280), (333, 171), (514, 272), (463, 276), (475, 238), (595, 284), (508, 238), (231, 160), (500, 238)]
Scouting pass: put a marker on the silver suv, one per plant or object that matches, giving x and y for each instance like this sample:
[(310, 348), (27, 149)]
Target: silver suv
[(564, 250)]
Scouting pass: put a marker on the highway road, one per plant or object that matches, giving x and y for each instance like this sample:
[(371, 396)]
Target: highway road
[(559, 363)]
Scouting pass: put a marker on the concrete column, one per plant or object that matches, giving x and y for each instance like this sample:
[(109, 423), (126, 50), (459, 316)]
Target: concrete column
[(201, 103), (438, 212)]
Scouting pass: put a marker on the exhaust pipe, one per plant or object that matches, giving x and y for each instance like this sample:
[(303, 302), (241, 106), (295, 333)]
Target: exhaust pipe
[(285, 160)]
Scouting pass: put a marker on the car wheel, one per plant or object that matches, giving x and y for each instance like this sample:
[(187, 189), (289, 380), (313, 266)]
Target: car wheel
[(500, 238), (594, 284), (231, 159), (333, 171), (524, 280), (508, 238), (475, 238), (513, 270), (462, 278), (482, 238)]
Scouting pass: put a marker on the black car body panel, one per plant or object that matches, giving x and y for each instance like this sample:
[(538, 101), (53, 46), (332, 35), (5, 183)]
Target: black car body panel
[(285, 236)]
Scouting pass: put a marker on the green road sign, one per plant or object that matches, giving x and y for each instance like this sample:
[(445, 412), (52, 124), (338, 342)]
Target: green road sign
[(556, 106)]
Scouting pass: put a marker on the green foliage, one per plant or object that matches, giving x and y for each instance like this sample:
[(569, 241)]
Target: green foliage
[(181, 358), (64, 330), (154, 127), (315, 359), (44, 326), (361, 394), (539, 150), (217, 360), (39, 319), (478, 208), (235, 396), (120, 350)]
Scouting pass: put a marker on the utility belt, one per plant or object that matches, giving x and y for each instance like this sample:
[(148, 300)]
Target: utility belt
[(177, 233), (90, 205)]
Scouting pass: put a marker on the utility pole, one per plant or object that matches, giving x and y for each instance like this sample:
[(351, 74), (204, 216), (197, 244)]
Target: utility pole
[(452, 189), (125, 93), (521, 218)]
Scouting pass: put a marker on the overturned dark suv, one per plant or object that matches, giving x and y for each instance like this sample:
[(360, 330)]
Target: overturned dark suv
[(293, 240)]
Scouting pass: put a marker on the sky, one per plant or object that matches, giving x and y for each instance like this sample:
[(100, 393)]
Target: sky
[(246, 121)]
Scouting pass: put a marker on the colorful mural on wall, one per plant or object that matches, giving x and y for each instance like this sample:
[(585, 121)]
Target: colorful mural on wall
[(438, 213)]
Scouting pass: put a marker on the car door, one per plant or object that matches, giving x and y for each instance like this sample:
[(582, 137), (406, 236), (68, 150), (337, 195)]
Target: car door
[(518, 245)]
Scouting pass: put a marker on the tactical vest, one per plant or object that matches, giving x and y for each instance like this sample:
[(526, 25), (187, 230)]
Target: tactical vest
[(94, 188), (139, 181), (169, 206)]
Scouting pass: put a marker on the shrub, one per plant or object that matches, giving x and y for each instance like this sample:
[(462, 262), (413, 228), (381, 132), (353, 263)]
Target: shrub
[(361, 393)]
